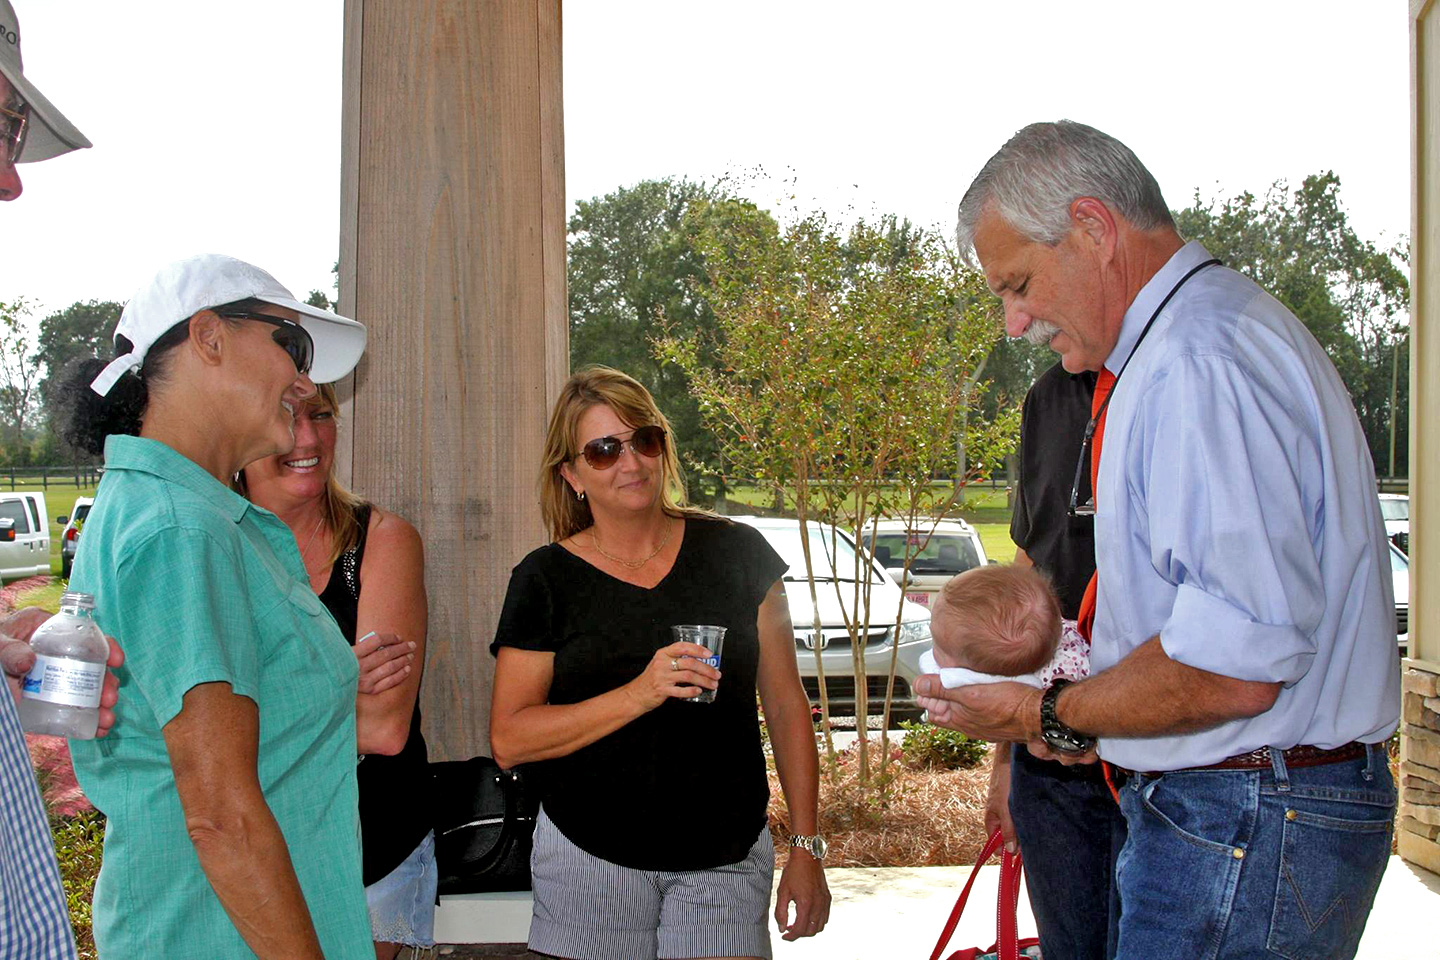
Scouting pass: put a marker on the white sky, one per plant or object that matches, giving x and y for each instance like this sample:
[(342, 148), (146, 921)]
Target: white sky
[(217, 126)]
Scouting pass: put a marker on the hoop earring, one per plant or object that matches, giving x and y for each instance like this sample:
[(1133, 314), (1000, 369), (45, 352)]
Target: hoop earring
[(580, 495)]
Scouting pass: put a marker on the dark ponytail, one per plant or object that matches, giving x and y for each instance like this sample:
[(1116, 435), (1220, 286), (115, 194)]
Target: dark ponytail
[(92, 417)]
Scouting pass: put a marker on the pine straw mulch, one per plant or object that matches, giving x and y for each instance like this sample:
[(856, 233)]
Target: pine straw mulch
[(931, 818)]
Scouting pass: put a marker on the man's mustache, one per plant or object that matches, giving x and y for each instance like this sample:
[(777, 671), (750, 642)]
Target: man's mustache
[(1039, 333)]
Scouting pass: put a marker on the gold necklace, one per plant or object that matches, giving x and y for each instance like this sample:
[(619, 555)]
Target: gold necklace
[(633, 564)]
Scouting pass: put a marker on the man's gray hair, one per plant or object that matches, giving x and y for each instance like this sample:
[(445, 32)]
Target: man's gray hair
[(1033, 179)]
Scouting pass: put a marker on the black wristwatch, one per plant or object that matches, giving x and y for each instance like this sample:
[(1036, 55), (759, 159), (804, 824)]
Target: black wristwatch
[(1055, 734)]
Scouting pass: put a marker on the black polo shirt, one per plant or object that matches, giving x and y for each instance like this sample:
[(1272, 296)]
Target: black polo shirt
[(1052, 427)]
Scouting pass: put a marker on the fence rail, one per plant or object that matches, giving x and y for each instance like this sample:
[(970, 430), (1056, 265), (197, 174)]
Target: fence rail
[(79, 475)]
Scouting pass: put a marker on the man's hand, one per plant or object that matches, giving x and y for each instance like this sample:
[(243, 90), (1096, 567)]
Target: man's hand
[(997, 712), (110, 695), (16, 659)]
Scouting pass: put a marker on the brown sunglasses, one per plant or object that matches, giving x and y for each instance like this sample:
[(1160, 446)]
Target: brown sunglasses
[(602, 453)]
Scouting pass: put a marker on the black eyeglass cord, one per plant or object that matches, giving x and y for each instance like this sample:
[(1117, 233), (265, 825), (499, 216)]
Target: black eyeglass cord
[(1094, 421), (1090, 427)]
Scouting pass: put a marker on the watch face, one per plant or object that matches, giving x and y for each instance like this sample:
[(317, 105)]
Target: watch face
[(1064, 742), (818, 848)]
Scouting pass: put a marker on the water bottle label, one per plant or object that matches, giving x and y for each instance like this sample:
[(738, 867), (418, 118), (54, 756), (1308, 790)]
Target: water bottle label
[(62, 680)]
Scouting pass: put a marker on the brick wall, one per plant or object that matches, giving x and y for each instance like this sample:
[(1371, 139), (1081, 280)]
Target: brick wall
[(1419, 827)]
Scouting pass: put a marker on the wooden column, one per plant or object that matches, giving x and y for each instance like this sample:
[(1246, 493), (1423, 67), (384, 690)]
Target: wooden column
[(1418, 836), (1424, 326), (452, 252)]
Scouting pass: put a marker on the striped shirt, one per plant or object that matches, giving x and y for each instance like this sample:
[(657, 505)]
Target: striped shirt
[(34, 922)]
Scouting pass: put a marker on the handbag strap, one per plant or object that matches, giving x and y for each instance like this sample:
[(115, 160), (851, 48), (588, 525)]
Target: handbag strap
[(985, 854), (1007, 934)]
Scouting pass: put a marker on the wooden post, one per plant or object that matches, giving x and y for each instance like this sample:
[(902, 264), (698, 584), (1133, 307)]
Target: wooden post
[(1418, 826), (452, 252), (1424, 314)]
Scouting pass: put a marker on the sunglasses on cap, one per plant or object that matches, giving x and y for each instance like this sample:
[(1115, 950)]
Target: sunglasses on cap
[(292, 337), (603, 452), (14, 123)]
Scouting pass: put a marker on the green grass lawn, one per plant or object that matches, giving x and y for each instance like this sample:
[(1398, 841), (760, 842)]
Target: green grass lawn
[(46, 597), (986, 508), (995, 537)]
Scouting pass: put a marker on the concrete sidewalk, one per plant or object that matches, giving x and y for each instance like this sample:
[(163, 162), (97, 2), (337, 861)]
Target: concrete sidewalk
[(896, 912), (889, 913)]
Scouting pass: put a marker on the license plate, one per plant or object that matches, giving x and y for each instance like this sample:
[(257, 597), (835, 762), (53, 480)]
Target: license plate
[(921, 598)]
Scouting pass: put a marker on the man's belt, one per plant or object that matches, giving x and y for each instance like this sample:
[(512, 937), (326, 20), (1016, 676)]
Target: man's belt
[(1301, 756)]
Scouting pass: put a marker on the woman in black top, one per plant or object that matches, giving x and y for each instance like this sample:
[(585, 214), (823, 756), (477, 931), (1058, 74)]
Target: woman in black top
[(640, 786), (367, 566)]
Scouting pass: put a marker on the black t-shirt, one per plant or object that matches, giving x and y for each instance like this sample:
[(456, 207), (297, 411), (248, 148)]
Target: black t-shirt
[(1052, 428), (682, 787)]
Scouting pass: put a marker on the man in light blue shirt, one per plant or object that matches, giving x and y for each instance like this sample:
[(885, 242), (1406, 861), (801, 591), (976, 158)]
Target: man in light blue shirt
[(1244, 643), (34, 920)]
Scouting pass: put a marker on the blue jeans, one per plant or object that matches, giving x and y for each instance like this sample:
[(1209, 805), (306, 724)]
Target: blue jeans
[(1070, 832), (1254, 863)]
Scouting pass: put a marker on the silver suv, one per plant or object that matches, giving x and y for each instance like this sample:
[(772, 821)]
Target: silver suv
[(1395, 508), (70, 536), (952, 547), (835, 589)]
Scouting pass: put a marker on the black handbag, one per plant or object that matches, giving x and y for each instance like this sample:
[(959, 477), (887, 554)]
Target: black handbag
[(484, 826)]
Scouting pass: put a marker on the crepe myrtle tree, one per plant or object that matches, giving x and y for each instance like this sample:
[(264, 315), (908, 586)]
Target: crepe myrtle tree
[(845, 360), (18, 371)]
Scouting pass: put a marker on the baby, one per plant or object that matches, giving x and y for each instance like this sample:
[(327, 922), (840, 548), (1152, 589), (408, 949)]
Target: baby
[(997, 623)]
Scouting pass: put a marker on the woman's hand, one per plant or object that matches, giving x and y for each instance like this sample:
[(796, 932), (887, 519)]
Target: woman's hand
[(802, 883), (384, 661), (997, 797), (674, 671)]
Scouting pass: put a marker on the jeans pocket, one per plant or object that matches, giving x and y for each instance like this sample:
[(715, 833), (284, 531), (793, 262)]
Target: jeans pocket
[(1330, 867), (1198, 814)]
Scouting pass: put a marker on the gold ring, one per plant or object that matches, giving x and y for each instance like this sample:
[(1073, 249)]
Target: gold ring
[(674, 663)]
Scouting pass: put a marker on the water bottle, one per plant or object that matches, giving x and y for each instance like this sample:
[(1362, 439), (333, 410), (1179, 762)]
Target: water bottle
[(61, 693)]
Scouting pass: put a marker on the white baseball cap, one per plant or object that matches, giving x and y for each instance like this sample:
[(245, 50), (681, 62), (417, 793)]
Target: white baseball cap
[(49, 133), (182, 289)]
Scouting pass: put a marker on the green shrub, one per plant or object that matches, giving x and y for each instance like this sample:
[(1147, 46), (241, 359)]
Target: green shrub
[(78, 840), (929, 746)]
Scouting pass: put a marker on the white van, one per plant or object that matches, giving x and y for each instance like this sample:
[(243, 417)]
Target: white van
[(28, 553)]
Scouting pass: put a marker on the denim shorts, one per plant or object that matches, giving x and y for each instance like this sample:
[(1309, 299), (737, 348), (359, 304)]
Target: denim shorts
[(402, 903), (592, 909)]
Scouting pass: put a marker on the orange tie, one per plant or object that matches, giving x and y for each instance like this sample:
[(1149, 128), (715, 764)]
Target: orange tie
[(1099, 409)]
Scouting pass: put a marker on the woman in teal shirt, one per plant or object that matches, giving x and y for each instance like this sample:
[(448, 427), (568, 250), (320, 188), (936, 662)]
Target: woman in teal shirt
[(228, 780)]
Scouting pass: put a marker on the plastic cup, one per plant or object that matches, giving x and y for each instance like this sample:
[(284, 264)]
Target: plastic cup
[(712, 638)]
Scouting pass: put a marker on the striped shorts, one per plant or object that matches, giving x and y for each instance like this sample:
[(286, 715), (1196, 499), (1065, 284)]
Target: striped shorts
[(591, 909)]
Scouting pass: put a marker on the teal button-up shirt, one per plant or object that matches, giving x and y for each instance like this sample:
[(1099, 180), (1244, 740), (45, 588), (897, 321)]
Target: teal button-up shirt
[(201, 586)]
